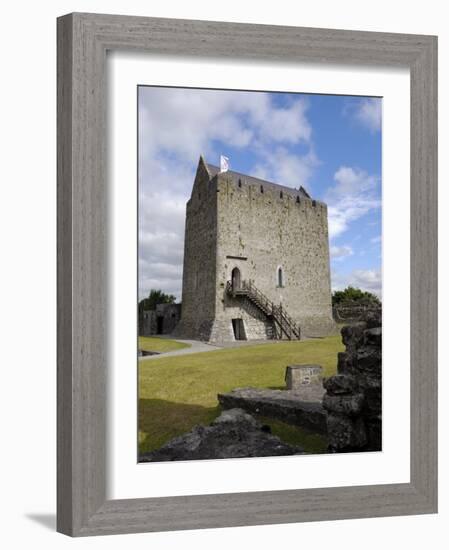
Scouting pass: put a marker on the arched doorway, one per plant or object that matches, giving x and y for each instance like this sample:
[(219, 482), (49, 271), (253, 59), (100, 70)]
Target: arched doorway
[(235, 279)]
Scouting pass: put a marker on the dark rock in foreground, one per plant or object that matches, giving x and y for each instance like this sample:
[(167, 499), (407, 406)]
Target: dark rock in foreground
[(301, 408), (234, 434)]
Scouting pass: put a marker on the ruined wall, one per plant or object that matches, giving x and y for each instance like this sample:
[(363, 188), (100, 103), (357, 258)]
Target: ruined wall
[(162, 320), (260, 231), (149, 323), (353, 397), (170, 315)]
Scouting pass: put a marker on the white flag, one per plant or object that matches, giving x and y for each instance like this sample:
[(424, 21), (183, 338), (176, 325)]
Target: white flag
[(224, 163)]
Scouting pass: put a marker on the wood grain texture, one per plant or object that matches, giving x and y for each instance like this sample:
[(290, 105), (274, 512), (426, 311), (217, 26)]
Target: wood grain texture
[(64, 276), (83, 40)]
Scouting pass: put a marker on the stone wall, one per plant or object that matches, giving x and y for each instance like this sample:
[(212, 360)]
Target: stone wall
[(200, 250), (353, 397), (260, 232), (162, 320), (149, 323), (299, 408)]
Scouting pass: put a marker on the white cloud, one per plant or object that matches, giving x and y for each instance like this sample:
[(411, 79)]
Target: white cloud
[(340, 252), (348, 210), (376, 240), (288, 125), (368, 113), (354, 194), (185, 122), (286, 168), (161, 242), (369, 280), (352, 181), (175, 126)]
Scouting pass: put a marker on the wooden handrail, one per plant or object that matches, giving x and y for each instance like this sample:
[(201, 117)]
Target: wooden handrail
[(282, 318)]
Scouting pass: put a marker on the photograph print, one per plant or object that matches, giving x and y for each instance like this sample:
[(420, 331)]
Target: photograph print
[(259, 275)]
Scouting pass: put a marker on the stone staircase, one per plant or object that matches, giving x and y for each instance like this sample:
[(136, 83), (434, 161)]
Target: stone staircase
[(285, 324)]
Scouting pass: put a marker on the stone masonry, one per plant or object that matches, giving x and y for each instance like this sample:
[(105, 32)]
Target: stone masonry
[(353, 397), (161, 320), (240, 228), (301, 377), (300, 407)]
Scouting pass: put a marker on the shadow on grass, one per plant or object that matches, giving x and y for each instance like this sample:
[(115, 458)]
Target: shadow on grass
[(161, 420), (310, 442)]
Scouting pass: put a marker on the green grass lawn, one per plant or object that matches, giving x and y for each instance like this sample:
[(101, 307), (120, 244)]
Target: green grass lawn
[(176, 393), (160, 345)]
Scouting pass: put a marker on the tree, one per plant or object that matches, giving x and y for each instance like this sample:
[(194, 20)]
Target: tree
[(355, 296), (156, 297)]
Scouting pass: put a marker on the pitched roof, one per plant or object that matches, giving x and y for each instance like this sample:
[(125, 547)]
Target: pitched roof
[(245, 178)]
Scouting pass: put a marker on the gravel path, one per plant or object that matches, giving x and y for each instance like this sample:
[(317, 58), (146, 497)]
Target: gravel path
[(195, 347), (199, 347)]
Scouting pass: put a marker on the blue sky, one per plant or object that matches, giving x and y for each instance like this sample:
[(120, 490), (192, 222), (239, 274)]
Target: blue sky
[(331, 145)]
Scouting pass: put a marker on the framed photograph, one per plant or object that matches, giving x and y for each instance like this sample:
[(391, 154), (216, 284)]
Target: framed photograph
[(247, 256), (232, 261)]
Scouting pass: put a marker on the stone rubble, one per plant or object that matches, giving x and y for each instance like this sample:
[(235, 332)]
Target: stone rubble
[(234, 434), (353, 397)]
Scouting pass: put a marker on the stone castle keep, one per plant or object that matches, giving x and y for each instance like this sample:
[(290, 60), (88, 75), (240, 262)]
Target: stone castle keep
[(256, 260)]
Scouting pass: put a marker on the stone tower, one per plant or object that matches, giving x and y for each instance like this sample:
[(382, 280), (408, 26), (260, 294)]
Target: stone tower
[(256, 260)]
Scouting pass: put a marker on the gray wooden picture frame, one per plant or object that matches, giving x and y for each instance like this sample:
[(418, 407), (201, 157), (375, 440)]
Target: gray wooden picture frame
[(83, 40)]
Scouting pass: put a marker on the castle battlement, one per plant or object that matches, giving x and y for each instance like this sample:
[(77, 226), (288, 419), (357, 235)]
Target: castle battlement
[(290, 198)]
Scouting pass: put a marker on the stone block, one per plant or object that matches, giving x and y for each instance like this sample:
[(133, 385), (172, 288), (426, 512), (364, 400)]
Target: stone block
[(299, 376), (340, 384), (373, 336), (286, 405), (350, 405), (352, 335), (345, 434), (344, 363), (368, 360)]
